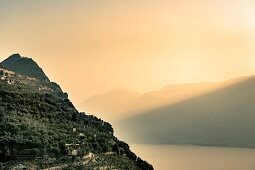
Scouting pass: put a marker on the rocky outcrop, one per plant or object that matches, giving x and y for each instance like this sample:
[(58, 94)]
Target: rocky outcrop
[(25, 66)]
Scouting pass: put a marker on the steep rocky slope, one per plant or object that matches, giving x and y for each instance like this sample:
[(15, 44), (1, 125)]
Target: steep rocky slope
[(40, 128)]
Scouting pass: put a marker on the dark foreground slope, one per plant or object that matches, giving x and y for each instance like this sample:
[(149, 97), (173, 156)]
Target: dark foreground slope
[(225, 117), (40, 128)]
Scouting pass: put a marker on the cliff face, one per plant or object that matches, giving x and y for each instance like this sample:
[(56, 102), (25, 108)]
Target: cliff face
[(40, 128)]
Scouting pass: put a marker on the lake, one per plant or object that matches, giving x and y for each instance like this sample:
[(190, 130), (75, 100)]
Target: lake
[(172, 157)]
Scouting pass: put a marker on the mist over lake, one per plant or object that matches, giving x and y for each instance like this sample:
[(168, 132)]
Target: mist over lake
[(174, 157)]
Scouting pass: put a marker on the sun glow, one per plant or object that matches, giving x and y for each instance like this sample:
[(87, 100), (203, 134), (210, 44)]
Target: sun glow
[(138, 45)]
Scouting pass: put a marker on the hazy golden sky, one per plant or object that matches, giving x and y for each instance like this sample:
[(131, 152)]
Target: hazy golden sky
[(90, 47)]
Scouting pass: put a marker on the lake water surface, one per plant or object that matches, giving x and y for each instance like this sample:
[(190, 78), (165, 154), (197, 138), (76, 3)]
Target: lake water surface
[(171, 157)]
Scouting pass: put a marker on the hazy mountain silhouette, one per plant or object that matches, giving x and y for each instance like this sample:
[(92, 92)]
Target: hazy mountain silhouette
[(25, 66), (172, 93), (119, 103), (108, 105), (224, 117)]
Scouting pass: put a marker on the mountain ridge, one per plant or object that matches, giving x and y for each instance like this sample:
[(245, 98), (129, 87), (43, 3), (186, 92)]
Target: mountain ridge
[(114, 105), (224, 117), (40, 128)]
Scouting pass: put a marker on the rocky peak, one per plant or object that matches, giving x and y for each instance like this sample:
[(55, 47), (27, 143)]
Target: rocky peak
[(24, 66), (26, 75)]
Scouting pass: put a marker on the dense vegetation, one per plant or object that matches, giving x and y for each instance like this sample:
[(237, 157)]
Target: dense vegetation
[(41, 129)]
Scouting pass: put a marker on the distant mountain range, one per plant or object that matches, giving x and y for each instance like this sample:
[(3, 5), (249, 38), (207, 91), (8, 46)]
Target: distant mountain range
[(110, 105), (41, 129), (121, 103), (224, 116)]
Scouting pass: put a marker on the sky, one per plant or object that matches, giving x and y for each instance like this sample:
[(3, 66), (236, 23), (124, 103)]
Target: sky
[(90, 47)]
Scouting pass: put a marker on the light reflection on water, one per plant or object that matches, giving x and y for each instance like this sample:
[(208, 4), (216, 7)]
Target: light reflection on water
[(172, 157)]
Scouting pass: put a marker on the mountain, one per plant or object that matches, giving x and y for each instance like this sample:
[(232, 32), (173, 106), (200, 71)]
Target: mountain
[(109, 105), (223, 117), (24, 66), (172, 93), (120, 103), (40, 128)]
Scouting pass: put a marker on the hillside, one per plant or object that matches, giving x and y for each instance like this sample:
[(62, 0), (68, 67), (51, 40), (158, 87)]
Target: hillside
[(40, 128), (223, 117)]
